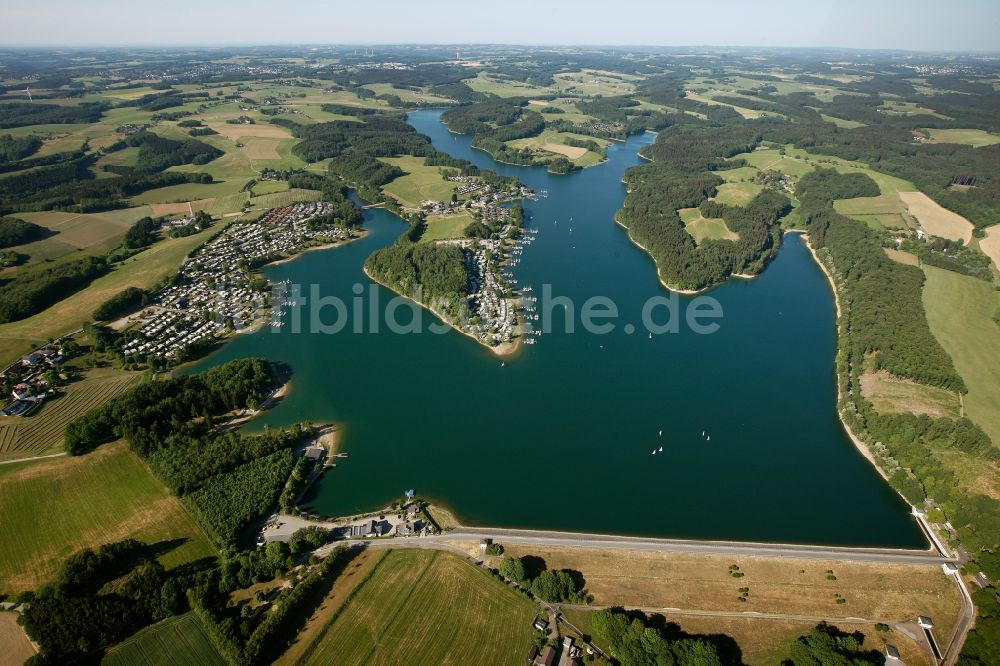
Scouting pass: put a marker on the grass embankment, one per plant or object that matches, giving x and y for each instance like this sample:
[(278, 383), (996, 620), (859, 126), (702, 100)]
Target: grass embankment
[(876, 592), (53, 508), (177, 640), (421, 606), (960, 311), (143, 270), (42, 431)]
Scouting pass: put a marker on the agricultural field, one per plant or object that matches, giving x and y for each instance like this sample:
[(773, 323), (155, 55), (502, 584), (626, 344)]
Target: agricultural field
[(553, 143), (71, 232), (969, 137), (430, 607), (501, 87), (702, 228), (743, 111), (591, 83), (285, 198), (55, 507), (935, 219), (902, 257), (42, 431), (649, 580), (407, 95), (421, 182), (961, 311), (446, 227), (895, 395), (14, 644), (911, 109), (176, 640), (886, 211), (143, 270)]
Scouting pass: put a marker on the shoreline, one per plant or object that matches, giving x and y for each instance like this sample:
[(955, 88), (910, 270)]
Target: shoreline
[(504, 350), (314, 248), (859, 444)]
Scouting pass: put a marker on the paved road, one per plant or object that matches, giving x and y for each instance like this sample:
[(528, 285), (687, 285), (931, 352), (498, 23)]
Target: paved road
[(602, 541)]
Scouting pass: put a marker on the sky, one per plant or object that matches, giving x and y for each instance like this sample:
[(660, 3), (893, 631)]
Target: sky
[(920, 25)]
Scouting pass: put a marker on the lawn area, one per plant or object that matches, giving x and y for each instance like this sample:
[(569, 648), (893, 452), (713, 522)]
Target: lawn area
[(421, 182), (143, 270), (970, 137), (445, 227), (702, 228), (99, 232), (842, 123), (960, 311), (42, 431), (427, 607), (176, 640), (877, 592), (53, 508), (14, 644), (286, 198), (894, 395)]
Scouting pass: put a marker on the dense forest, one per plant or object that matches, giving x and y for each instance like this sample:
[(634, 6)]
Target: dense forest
[(12, 149), (23, 114), (431, 274)]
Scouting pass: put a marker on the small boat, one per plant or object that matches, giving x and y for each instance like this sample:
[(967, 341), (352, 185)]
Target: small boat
[(654, 452), (661, 449)]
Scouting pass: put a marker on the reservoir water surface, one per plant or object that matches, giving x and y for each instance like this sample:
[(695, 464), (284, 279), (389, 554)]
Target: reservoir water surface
[(560, 437)]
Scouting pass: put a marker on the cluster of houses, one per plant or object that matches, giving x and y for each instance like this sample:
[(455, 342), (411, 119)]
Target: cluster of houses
[(29, 380), (217, 290), (492, 312), (569, 655)]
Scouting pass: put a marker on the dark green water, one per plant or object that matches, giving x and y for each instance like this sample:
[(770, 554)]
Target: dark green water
[(561, 436)]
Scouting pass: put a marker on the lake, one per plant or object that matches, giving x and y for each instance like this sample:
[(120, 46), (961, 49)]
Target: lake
[(561, 436)]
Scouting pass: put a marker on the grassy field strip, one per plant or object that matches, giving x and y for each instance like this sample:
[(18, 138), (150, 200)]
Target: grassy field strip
[(35, 434), (960, 311), (702, 228), (428, 607), (176, 640), (55, 507)]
